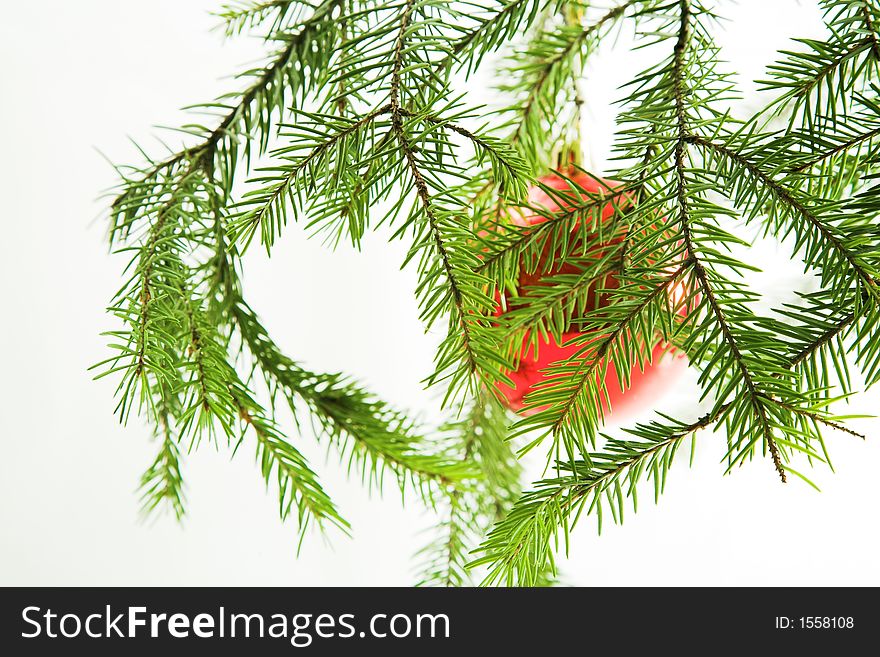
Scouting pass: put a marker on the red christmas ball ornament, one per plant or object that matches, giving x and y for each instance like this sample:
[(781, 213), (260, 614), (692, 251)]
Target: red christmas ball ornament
[(645, 384)]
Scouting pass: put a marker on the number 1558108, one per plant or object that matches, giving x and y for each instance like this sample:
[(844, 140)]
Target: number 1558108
[(815, 622)]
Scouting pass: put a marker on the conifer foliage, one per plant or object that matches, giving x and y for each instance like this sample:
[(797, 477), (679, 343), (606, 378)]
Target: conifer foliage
[(357, 120)]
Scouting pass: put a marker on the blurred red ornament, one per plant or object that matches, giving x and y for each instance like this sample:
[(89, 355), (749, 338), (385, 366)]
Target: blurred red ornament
[(645, 385)]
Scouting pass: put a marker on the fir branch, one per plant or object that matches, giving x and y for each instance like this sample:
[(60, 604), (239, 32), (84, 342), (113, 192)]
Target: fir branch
[(478, 437), (443, 559), (521, 545), (787, 198), (297, 484), (823, 340), (512, 17), (816, 417), (550, 237), (553, 306), (509, 169), (149, 303), (460, 314), (706, 289), (220, 396), (571, 401), (146, 295), (149, 255), (446, 558), (275, 73), (439, 245), (541, 76), (849, 55), (382, 438), (802, 82), (838, 149), (678, 76), (162, 483), (375, 127), (265, 209), (574, 44), (249, 15)]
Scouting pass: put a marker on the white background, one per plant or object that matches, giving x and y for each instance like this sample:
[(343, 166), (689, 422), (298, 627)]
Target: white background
[(81, 76)]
